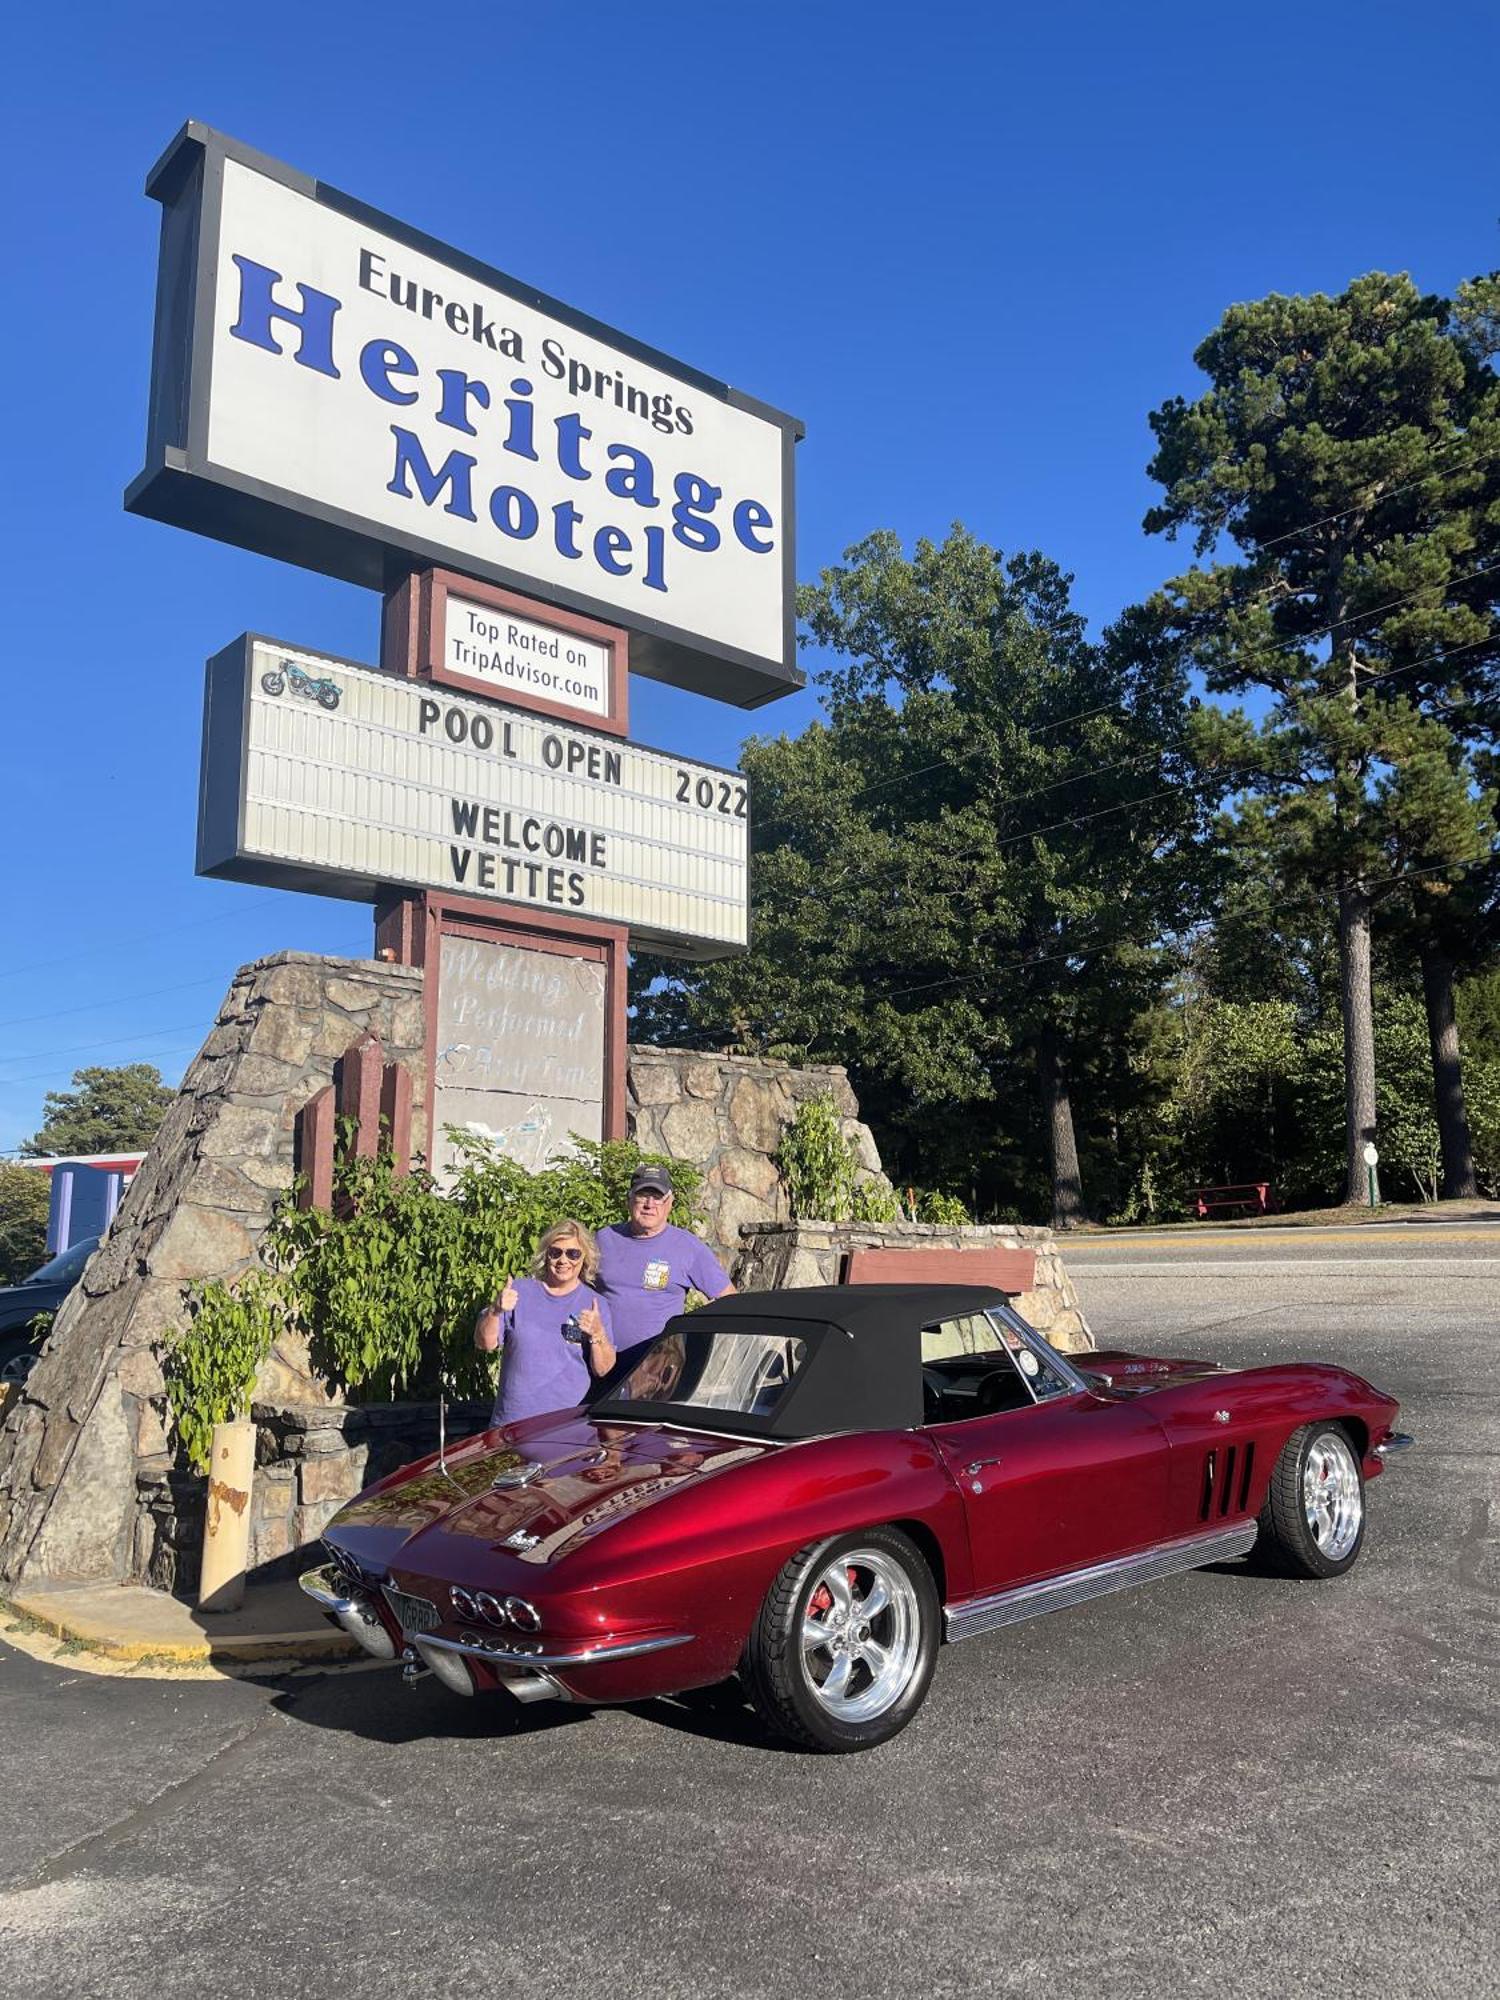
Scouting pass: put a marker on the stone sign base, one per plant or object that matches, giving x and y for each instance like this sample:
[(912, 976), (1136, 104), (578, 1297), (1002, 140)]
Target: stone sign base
[(87, 1470)]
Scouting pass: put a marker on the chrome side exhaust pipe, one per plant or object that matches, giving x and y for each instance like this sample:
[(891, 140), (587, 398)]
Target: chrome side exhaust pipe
[(535, 1686)]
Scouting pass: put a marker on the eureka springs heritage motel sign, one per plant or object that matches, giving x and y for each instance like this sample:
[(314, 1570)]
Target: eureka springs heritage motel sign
[(545, 505)]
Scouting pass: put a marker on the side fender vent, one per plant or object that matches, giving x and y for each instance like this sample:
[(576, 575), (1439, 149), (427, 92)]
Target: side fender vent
[(1226, 1482)]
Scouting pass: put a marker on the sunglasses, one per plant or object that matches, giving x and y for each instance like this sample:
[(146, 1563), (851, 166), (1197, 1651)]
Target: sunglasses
[(568, 1256)]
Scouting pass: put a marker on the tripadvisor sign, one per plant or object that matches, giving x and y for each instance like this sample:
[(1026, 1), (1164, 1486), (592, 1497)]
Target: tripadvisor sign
[(335, 389)]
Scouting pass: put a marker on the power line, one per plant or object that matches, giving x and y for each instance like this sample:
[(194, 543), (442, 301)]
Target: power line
[(1305, 639), (1293, 646), (987, 847), (1082, 950), (157, 1056), (109, 1042), (1325, 520), (113, 1000), (140, 938)]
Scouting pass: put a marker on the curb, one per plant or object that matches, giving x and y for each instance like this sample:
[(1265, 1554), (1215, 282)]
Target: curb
[(40, 1610)]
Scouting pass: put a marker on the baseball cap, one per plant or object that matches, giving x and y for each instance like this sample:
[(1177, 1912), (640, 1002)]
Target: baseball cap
[(650, 1180)]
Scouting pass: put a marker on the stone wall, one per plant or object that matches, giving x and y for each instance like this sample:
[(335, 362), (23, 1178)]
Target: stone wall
[(311, 1458), (812, 1253), (726, 1115), (86, 1474)]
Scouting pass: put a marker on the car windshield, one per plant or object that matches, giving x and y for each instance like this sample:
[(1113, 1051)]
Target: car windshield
[(708, 1368), (67, 1266)]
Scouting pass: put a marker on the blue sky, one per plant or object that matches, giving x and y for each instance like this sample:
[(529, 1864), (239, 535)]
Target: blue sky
[(970, 246)]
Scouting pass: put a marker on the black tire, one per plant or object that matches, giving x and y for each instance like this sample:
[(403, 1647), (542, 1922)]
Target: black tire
[(1313, 1522), (788, 1681), (273, 683)]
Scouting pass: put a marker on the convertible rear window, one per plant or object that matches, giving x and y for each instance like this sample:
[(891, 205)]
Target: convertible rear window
[(706, 1368)]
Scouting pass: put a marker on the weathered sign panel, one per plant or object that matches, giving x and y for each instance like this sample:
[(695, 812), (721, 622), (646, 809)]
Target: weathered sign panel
[(336, 389), (323, 775), (519, 1059)]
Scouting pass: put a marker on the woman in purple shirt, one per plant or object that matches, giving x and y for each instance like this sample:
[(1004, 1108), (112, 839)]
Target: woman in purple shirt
[(553, 1326)]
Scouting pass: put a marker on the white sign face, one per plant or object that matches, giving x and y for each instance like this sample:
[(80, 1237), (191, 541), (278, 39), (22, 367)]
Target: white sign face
[(517, 656), (343, 780), (335, 366), (520, 1050)]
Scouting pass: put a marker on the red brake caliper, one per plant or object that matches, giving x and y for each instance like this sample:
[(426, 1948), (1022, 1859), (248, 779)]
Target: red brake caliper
[(822, 1598)]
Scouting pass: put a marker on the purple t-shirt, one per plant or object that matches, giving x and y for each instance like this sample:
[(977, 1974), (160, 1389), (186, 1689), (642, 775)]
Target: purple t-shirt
[(540, 1370), (647, 1278)]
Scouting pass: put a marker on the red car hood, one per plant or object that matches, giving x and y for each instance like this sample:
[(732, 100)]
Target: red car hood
[(535, 1488), (1137, 1374)]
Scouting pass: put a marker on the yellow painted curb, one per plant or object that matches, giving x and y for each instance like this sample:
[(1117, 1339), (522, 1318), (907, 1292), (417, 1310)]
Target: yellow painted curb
[(36, 1610)]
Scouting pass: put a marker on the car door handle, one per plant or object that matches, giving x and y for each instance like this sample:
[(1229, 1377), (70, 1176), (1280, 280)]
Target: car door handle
[(978, 1464)]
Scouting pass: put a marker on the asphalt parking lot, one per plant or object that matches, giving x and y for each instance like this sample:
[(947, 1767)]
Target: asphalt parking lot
[(1218, 1783)]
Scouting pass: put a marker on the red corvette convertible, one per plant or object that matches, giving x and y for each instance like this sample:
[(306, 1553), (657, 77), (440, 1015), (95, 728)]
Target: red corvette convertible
[(815, 1489)]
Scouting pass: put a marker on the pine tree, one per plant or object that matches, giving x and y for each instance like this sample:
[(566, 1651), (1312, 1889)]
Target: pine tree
[(1343, 473)]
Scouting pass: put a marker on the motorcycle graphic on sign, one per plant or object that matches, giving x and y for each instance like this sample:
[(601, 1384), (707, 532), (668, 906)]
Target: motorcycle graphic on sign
[(324, 692)]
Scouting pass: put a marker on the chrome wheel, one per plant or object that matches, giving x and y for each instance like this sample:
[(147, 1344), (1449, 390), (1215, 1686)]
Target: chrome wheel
[(861, 1636), (1332, 1496)]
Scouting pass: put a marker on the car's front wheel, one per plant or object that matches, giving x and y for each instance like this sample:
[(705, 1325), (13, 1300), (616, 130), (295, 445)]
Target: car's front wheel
[(842, 1652), (1313, 1522)]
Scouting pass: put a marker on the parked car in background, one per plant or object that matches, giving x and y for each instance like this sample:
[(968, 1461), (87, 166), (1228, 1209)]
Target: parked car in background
[(43, 1292), (817, 1489)]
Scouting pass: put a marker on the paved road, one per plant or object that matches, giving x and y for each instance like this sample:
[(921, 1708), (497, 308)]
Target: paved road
[(1221, 1784)]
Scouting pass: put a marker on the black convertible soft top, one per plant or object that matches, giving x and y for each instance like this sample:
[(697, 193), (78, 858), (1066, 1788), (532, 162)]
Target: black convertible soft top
[(862, 1371)]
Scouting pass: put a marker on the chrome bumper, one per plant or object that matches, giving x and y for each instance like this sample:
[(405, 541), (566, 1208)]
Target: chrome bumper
[(327, 1590), (521, 1670), (350, 1608), (522, 1666), (499, 1654), (1397, 1442)]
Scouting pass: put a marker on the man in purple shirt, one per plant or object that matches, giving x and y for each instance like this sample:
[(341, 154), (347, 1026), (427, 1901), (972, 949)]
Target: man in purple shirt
[(647, 1267)]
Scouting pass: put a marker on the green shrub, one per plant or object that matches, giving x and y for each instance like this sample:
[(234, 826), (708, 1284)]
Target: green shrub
[(933, 1205), (388, 1286), (821, 1173), (211, 1366)]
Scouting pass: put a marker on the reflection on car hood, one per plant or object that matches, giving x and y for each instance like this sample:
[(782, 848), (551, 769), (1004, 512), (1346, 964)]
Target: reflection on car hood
[(1137, 1374), (536, 1488)]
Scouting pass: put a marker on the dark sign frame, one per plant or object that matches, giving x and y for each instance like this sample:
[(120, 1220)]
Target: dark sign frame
[(182, 486)]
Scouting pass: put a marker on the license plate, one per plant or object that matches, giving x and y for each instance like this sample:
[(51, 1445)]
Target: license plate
[(413, 1614)]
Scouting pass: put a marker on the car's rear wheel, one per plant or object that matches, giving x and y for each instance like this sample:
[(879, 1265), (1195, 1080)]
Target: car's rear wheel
[(1313, 1522), (843, 1650)]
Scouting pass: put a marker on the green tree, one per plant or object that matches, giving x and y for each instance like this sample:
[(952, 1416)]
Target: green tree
[(107, 1110), (24, 1200), (1452, 930), (965, 873), (1343, 470)]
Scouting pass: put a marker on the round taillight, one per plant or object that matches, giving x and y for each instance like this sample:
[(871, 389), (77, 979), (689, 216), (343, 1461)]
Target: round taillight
[(490, 1609), (462, 1603), (523, 1615)]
